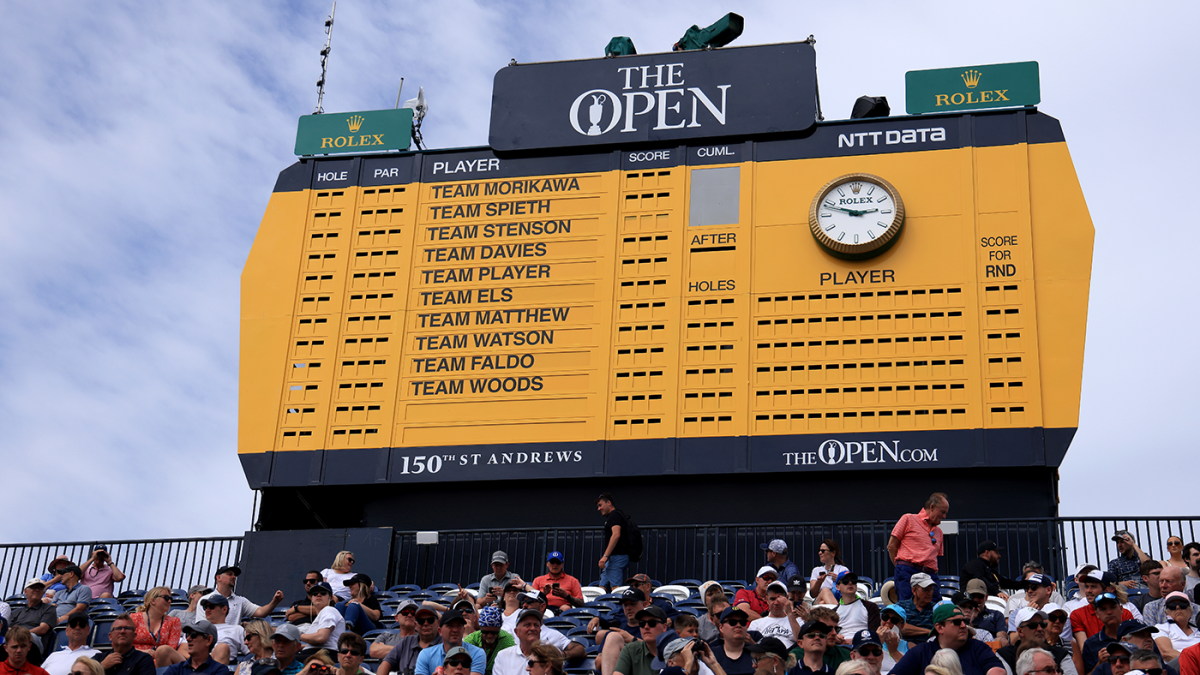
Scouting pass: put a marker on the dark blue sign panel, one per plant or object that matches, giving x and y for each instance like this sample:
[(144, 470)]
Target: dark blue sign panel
[(657, 97)]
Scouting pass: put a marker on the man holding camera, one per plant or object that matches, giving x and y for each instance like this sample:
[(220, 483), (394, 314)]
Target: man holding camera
[(100, 573), (562, 590)]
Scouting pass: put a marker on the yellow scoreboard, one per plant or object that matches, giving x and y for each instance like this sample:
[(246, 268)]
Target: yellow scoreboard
[(668, 309)]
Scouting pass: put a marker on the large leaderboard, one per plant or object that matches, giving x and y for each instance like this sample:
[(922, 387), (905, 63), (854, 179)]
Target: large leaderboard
[(649, 307)]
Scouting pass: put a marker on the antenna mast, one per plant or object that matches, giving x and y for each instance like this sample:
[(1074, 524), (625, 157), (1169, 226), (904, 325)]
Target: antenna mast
[(325, 60)]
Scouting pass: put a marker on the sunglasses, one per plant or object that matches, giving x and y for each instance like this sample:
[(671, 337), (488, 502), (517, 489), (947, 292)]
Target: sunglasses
[(531, 663), (120, 629), (80, 672), (490, 632), (408, 612), (1177, 605), (814, 635), (1152, 671), (75, 624), (459, 663), (822, 550), (932, 537), (957, 623), (737, 622), (650, 623), (871, 651), (1119, 659), (1057, 618), (1035, 624), (426, 621), (351, 652), (310, 581), (193, 635), (1173, 543)]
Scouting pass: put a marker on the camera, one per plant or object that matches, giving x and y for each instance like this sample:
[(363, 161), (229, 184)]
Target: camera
[(697, 647), (320, 669)]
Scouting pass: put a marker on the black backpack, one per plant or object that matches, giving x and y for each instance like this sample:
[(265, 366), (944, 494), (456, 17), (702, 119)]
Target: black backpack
[(632, 535)]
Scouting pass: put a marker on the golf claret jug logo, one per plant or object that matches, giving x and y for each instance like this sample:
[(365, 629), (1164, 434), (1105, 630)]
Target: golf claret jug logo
[(653, 96)]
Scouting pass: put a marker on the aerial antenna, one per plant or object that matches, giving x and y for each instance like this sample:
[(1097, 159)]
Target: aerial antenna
[(398, 92), (325, 60)]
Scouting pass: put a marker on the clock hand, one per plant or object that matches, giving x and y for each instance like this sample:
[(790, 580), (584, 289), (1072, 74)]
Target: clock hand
[(863, 213), (852, 212)]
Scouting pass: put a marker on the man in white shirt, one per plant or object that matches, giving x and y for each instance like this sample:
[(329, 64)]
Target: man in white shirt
[(78, 629), (779, 622), (231, 639), (240, 608), (512, 661), (536, 601), (854, 614)]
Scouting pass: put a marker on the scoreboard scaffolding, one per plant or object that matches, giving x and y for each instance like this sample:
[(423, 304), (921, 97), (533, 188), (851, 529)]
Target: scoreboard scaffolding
[(638, 285)]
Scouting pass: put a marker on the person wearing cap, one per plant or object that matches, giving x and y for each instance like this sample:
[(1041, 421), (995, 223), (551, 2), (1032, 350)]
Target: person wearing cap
[(855, 614), (710, 621), (681, 653), (403, 656), (188, 615), (537, 602), (1115, 658), (778, 623), (231, 640), (813, 638), (620, 622), (985, 618), (302, 610), (1038, 590), (452, 629), (53, 575), (286, 644), (124, 659), (1084, 621), (777, 557), (1147, 661), (100, 573), (837, 650), (970, 610), (493, 584), (919, 607), (490, 637), (1170, 580), (867, 646), (915, 544), (645, 584), (78, 630), (513, 661), (75, 597), (891, 623), (1126, 567), (1057, 626), (951, 632), (797, 588), (38, 617), (457, 661), (329, 623), (18, 642), (1079, 596), (753, 601), (1106, 613), (638, 657), (562, 590), (406, 625), (730, 649), (1139, 635), (1179, 631), (240, 608), (985, 567), (1031, 624), (201, 636), (614, 562), (362, 610)]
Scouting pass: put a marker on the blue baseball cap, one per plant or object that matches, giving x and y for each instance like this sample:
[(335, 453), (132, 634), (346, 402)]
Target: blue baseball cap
[(555, 555), (898, 610), (1105, 596)]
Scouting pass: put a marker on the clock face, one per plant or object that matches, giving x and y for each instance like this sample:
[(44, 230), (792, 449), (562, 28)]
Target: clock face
[(856, 216)]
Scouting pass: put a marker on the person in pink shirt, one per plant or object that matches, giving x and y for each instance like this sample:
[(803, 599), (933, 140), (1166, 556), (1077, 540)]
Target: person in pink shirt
[(916, 543), (100, 573)]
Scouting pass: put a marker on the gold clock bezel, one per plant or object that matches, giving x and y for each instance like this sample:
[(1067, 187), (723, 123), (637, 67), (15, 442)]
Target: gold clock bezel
[(866, 249)]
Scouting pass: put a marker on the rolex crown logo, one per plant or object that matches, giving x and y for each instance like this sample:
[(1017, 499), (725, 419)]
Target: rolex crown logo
[(971, 78), (355, 122), (855, 187)]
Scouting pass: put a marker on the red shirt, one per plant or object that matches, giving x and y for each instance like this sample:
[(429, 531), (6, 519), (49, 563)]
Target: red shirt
[(1189, 661), (748, 596), (28, 669), (566, 582), (168, 632), (916, 543), (1084, 620)]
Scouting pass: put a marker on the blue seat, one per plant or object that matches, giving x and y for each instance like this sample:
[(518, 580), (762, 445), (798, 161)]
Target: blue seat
[(100, 636), (694, 611), (690, 602), (655, 583), (473, 587), (443, 588), (405, 588), (60, 637), (952, 577), (692, 584), (584, 667), (132, 594), (602, 606), (611, 597), (590, 612), (562, 623), (578, 630), (597, 583), (420, 596), (664, 596), (370, 635), (736, 583), (868, 581)]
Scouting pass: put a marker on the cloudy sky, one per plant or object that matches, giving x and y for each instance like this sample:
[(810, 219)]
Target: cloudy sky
[(141, 142)]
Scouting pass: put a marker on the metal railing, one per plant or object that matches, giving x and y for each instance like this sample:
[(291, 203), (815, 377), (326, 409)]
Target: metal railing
[(146, 563), (722, 552)]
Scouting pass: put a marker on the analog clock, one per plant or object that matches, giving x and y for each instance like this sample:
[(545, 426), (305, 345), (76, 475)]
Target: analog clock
[(856, 216)]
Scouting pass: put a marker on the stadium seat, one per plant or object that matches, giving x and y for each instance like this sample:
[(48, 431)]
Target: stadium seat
[(561, 624), (603, 606), (868, 581), (655, 583), (420, 596), (592, 592), (405, 588), (694, 611), (690, 602), (578, 630), (610, 597), (161, 670), (597, 583), (473, 587), (60, 637), (679, 592), (15, 598), (664, 596), (100, 636), (736, 583), (582, 611), (691, 584), (586, 667), (443, 588), (131, 594), (369, 636)]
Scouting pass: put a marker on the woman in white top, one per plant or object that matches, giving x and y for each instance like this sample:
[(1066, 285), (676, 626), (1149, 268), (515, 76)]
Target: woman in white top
[(510, 605), (328, 625), (820, 586), (1175, 551), (337, 575), (1179, 632)]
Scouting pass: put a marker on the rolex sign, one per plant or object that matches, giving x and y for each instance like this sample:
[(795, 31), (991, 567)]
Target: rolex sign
[(676, 96)]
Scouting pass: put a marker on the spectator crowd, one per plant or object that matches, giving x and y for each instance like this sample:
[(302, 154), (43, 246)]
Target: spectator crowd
[(1132, 616)]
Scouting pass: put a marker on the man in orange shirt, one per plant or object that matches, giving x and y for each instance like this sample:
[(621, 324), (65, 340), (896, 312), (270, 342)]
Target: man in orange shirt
[(916, 543), (1189, 661), (562, 590)]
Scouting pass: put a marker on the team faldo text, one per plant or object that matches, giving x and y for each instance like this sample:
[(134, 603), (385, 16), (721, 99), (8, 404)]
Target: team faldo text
[(507, 262)]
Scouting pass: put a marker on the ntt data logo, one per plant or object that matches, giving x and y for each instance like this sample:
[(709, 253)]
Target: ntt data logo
[(834, 452)]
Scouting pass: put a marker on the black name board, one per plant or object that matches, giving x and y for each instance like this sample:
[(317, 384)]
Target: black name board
[(657, 97)]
